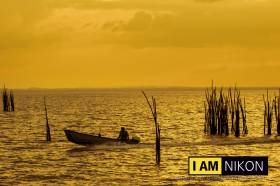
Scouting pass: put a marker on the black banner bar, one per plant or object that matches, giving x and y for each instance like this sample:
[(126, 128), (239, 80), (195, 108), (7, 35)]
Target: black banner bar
[(245, 165)]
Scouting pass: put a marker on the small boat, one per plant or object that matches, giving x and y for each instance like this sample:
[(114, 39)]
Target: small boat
[(87, 139)]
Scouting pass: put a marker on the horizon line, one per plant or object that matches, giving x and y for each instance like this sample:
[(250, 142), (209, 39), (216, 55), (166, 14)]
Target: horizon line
[(144, 87)]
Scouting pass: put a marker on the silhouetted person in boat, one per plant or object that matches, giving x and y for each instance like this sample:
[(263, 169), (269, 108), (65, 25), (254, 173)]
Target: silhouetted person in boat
[(123, 136)]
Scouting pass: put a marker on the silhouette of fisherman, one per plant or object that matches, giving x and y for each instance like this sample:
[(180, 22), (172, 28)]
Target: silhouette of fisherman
[(123, 136)]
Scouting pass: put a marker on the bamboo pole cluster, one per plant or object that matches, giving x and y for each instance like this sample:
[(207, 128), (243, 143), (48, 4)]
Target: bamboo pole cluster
[(277, 112), (268, 113), (237, 112), (221, 109), (153, 108), (270, 107), (8, 100)]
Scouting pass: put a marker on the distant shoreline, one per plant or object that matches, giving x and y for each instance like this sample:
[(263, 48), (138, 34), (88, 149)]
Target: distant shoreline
[(146, 88)]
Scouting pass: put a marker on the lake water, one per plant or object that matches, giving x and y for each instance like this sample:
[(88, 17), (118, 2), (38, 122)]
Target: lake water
[(25, 157)]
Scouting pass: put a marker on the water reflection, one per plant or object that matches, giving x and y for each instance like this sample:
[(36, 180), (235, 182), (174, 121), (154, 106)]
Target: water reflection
[(27, 159)]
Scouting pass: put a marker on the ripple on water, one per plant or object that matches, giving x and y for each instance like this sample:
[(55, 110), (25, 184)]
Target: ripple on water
[(27, 159)]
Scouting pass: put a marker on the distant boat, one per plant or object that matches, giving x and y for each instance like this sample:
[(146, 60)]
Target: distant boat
[(87, 139)]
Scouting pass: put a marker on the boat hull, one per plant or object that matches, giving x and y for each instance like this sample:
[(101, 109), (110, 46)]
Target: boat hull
[(87, 139)]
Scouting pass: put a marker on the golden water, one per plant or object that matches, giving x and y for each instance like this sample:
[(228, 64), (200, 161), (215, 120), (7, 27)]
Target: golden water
[(25, 157)]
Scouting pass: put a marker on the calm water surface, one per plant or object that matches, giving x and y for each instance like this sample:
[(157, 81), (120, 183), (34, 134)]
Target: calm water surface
[(27, 159)]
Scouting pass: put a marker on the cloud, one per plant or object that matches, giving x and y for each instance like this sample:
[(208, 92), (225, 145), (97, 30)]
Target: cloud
[(17, 21), (138, 23), (199, 27)]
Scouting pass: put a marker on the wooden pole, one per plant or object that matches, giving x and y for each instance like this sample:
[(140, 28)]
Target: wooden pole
[(48, 132), (264, 115), (12, 102), (5, 100), (153, 108), (269, 116)]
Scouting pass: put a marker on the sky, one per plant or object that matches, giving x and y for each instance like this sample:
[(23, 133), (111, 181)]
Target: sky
[(135, 43)]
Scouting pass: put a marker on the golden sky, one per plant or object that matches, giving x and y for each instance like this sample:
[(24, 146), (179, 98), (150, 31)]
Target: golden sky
[(130, 43)]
